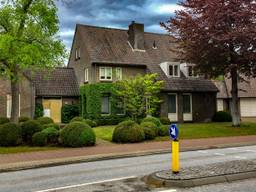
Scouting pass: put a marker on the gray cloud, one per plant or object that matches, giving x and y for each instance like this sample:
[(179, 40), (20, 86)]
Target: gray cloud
[(113, 13)]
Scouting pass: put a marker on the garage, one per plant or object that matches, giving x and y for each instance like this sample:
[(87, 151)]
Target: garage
[(248, 107)]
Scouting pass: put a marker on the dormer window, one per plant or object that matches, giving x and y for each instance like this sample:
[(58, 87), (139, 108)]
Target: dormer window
[(190, 71), (174, 70)]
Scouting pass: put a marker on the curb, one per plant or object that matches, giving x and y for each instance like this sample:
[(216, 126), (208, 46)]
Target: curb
[(84, 159), (158, 182)]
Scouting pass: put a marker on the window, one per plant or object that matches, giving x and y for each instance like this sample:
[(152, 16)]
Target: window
[(9, 106), (119, 73), (187, 103), (172, 103), (106, 73), (174, 70), (120, 106), (86, 75), (77, 52), (190, 71), (105, 105)]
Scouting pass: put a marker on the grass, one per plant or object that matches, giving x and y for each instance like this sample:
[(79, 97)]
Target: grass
[(22, 149), (104, 132)]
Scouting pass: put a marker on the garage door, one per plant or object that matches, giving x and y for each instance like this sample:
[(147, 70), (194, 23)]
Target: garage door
[(248, 107)]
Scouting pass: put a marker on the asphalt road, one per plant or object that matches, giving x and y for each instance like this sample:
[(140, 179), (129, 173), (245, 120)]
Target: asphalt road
[(85, 175)]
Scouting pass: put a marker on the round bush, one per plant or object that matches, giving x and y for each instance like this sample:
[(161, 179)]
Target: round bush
[(52, 135), (222, 116), (163, 130), (90, 122), (44, 120), (77, 119), (165, 120), (23, 119), (68, 112), (4, 120), (77, 134), (28, 129), (154, 120), (150, 130), (55, 125), (10, 134), (39, 139), (128, 132)]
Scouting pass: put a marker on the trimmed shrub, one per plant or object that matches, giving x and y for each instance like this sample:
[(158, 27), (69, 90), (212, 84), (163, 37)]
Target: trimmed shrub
[(77, 134), (10, 134), (4, 120), (44, 120), (128, 132), (39, 110), (110, 120), (68, 112), (150, 130), (165, 120), (55, 125), (52, 135), (28, 129), (154, 120), (39, 139), (163, 130), (23, 119), (79, 119), (90, 122), (222, 116)]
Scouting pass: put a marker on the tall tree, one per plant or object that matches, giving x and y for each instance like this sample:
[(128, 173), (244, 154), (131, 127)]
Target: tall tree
[(28, 41), (219, 36)]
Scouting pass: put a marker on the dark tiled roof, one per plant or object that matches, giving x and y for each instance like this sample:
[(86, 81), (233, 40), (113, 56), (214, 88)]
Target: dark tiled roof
[(59, 82), (106, 45)]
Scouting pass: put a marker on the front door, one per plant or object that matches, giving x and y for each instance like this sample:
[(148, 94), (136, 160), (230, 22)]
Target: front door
[(52, 109), (187, 107), (172, 107)]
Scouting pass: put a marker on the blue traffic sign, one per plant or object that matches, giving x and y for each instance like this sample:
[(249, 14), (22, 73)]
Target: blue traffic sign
[(173, 131)]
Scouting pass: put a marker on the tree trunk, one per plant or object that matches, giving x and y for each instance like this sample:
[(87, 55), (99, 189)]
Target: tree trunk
[(15, 100), (234, 104)]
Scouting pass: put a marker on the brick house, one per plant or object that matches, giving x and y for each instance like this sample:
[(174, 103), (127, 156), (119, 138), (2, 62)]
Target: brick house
[(106, 55)]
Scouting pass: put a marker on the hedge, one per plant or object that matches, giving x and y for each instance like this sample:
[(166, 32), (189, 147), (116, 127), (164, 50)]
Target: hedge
[(4, 120), (68, 112), (39, 110), (28, 129), (10, 134), (222, 116), (44, 120)]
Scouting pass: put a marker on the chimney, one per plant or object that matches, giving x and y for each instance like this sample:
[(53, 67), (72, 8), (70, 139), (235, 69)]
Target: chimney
[(136, 35)]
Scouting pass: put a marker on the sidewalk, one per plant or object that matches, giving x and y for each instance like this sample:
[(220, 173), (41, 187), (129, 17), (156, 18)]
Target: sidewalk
[(11, 162)]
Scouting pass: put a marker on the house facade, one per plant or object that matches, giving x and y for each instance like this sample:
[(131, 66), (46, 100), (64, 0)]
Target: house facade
[(105, 55)]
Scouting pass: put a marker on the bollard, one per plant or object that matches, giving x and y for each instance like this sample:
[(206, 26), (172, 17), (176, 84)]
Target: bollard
[(175, 157)]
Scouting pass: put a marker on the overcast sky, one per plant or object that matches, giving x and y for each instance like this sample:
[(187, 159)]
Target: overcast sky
[(114, 14)]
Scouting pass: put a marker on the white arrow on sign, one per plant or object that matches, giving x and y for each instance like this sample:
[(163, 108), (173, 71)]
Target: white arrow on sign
[(173, 131)]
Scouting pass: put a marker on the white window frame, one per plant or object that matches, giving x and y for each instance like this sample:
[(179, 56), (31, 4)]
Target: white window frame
[(86, 75), (105, 74), (77, 53), (188, 116), (173, 116), (9, 105), (120, 77), (173, 67)]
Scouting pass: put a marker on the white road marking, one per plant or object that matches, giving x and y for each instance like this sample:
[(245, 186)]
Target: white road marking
[(202, 151), (249, 150), (240, 157), (235, 149), (170, 190), (85, 184), (219, 154)]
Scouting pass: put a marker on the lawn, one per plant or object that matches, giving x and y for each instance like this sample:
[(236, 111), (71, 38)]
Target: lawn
[(193, 131), (20, 149)]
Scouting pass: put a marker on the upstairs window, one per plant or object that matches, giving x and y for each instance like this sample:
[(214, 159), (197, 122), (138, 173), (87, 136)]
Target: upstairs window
[(174, 70), (77, 53), (118, 73), (191, 72), (106, 73), (86, 73)]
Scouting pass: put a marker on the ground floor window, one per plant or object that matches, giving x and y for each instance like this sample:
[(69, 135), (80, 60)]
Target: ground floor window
[(186, 103), (9, 106), (105, 104), (172, 103)]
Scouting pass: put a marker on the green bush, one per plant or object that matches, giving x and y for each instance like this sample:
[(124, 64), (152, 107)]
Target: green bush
[(165, 120), (52, 135), (128, 132), (39, 110), (28, 129), (154, 120), (222, 116), (39, 139), (44, 120), (23, 119), (68, 112), (79, 119), (163, 130), (10, 134), (110, 120), (4, 120), (90, 122), (55, 125), (150, 130), (77, 134)]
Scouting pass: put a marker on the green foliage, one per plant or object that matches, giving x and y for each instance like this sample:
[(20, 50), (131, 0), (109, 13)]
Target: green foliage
[(222, 116), (23, 119), (154, 120), (39, 111), (77, 134), (128, 132), (165, 120), (140, 94), (44, 120), (39, 139), (150, 130), (90, 122), (163, 130), (4, 120), (10, 134), (54, 125), (68, 112), (52, 135), (28, 129), (110, 120), (75, 119)]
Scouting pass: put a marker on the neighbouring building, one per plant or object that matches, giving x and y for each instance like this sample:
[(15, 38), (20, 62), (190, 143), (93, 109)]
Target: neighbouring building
[(105, 55)]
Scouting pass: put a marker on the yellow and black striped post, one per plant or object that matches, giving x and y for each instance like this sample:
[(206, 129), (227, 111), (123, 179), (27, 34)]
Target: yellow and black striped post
[(175, 157)]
